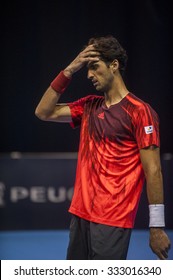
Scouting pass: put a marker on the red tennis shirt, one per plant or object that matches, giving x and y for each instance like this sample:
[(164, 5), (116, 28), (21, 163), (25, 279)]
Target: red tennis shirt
[(109, 175)]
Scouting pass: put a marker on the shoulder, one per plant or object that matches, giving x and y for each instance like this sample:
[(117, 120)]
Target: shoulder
[(138, 104), (136, 101)]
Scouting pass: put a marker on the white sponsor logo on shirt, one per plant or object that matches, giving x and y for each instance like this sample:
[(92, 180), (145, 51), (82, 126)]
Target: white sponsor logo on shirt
[(148, 129)]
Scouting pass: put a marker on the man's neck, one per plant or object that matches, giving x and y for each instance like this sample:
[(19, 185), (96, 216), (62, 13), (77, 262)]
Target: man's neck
[(117, 92)]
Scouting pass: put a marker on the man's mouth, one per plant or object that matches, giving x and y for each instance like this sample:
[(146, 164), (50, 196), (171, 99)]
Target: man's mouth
[(95, 83)]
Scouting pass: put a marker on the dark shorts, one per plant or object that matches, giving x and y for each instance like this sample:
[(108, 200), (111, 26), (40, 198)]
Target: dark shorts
[(92, 241)]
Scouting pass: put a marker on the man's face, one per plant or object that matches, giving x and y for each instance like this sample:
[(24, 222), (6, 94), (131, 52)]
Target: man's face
[(100, 75)]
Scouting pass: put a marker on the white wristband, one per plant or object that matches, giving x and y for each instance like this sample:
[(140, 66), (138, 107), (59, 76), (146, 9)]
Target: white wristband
[(156, 215)]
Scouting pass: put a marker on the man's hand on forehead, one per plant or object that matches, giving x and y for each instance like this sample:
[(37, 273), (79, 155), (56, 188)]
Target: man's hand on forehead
[(88, 54), (91, 51)]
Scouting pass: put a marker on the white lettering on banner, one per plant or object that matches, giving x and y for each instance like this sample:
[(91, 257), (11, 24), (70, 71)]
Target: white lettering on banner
[(2, 190), (52, 194), (36, 194), (18, 193)]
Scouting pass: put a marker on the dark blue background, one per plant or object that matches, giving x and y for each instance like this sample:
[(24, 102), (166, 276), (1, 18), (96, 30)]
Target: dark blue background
[(39, 38)]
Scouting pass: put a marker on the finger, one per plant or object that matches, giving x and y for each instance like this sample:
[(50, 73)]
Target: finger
[(161, 256), (93, 54), (165, 254), (90, 56), (90, 59), (89, 49)]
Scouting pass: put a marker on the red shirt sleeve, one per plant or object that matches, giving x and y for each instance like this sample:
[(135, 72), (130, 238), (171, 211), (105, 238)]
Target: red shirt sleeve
[(77, 109), (146, 126)]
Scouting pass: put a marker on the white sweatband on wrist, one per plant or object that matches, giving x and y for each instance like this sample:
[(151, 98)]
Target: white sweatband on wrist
[(156, 215)]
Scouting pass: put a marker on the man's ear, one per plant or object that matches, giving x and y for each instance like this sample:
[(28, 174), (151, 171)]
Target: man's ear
[(115, 65)]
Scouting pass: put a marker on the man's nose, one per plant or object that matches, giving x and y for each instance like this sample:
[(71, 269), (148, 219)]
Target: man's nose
[(90, 74)]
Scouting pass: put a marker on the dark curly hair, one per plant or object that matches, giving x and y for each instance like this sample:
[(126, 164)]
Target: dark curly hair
[(110, 49)]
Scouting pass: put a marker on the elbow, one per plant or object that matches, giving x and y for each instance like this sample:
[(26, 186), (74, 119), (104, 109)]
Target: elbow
[(40, 115)]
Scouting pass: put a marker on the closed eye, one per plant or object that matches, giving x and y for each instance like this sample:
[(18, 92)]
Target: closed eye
[(92, 66)]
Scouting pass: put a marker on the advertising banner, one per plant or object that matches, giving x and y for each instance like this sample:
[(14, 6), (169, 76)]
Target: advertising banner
[(35, 192)]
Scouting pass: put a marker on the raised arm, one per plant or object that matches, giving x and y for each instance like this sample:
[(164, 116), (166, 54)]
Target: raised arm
[(159, 241), (49, 108)]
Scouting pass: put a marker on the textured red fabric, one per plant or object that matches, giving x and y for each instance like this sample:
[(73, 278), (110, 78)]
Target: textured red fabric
[(109, 176)]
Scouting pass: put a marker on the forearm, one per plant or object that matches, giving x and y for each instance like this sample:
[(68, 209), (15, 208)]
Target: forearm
[(154, 185), (155, 200), (47, 104), (150, 159), (47, 108)]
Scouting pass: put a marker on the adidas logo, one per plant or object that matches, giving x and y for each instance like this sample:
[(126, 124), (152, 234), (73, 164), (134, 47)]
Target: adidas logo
[(101, 115)]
